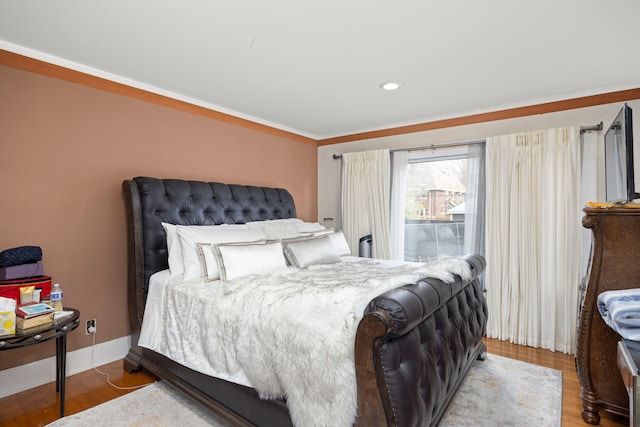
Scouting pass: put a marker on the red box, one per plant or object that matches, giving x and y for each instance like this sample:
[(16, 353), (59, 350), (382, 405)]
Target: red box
[(11, 288)]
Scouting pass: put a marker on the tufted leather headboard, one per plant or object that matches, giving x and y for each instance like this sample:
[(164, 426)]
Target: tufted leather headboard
[(151, 201)]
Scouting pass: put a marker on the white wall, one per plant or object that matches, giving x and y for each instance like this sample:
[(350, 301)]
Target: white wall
[(329, 169)]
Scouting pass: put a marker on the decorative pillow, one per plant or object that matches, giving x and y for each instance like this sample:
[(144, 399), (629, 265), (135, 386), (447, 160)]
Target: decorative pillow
[(190, 236), (236, 261), (303, 253), (209, 258), (340, 243)]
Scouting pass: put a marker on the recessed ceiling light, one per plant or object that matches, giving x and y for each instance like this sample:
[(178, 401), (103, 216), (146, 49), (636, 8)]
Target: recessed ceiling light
[(390, 85)]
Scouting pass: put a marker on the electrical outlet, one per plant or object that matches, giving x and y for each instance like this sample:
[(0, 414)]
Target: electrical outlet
[(90, 327)]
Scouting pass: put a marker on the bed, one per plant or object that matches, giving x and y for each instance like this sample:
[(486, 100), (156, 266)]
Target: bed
[(414, 343)]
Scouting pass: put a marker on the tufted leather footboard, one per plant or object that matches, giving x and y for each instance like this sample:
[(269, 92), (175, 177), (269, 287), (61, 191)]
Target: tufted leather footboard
[(414, 347)]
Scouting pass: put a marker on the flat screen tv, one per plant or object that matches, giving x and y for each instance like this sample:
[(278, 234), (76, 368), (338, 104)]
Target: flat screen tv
[(618, 157)]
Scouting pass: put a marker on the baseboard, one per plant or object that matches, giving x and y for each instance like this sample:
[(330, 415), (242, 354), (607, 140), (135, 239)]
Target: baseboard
[(40, 372)]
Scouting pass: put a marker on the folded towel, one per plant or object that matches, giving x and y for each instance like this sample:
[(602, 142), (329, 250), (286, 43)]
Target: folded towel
[(620, 310)]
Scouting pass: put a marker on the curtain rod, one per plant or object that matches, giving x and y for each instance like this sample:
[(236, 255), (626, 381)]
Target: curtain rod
[(596, 128), (583, 129), (426, 147)]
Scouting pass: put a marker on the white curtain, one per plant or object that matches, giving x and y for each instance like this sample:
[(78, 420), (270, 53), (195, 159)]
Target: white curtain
[(533, 237), (400, 162), (474, 215), (366, 180), (589, 192)]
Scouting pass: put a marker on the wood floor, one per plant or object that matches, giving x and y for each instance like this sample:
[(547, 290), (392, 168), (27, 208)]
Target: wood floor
[(40, 406)]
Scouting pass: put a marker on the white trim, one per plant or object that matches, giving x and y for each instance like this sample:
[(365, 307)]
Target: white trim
[(40, 372)]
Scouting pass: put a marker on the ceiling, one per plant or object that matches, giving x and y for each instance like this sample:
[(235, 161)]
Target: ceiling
[(314, 67)]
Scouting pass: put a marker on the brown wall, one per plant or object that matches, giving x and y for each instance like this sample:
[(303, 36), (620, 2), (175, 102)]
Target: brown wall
[(65, 150)]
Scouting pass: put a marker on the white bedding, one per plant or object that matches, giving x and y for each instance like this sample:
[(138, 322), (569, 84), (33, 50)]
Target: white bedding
[(290, 334), (153, 331)]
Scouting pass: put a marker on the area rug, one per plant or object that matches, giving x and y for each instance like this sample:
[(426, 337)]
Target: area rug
[(496, 392), (505, 392)]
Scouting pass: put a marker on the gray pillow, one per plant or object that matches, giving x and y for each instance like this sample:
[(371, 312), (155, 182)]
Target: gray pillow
[(303, 253)]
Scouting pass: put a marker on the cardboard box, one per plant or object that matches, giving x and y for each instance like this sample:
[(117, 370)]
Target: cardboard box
[(7, 323), (21, 271)]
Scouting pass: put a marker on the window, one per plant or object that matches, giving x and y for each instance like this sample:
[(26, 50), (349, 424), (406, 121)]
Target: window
[(435, 203)]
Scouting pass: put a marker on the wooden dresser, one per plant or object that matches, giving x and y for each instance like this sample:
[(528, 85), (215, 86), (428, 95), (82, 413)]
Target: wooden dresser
[(615, 264)]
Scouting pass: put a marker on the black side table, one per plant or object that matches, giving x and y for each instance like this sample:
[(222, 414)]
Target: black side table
[(58, 330)]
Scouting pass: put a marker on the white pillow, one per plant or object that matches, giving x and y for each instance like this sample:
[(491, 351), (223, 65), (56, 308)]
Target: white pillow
[(340, 243), (190, 236), (209, 258), (310, 227), (236, 261), (275, 221), (303, 253), (174, 250), (210, 269), (174, 247), (277, 229), (319, 233)]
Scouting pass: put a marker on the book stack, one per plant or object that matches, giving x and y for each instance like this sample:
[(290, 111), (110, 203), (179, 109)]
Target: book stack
[(33, 314)]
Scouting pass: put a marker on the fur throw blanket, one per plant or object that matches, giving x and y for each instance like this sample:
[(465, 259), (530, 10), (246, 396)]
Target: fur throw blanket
[(292, 332)]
